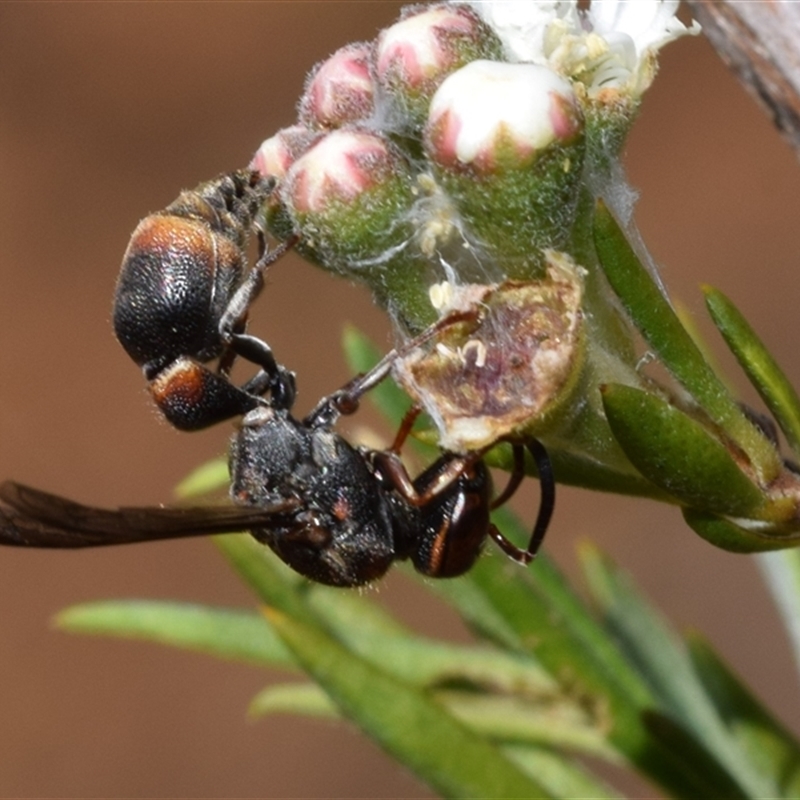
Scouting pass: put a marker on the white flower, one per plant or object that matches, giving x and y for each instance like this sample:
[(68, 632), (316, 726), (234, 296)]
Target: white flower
[(521, 24), (613, 45), (650, 23)]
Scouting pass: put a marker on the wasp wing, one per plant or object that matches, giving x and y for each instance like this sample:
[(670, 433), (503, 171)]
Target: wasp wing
[(32, 518)]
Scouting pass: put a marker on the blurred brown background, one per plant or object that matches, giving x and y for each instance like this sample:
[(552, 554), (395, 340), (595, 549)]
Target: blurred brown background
[(106, 112)]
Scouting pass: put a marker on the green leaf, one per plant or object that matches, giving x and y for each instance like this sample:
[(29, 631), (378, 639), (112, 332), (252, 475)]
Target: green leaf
[(224, 633), (272, 581), (420, 660), (361, 356), (376, 637), (351, 613), (427, 662), (727, 535), (558, 774), (539, 614), (678, 454), (404, 721), (246, 636), (661, 658), (782, 574), (659, 324), (555, 722), (373, 635), (761, 368), (401, 718), (770, 747), (534, 611), (307, 699), (577, 470), (208, 477), (708, 776), (477, 609), (561, 776)]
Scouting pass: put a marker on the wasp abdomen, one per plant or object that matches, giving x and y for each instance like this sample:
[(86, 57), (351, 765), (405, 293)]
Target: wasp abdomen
[(182, 299)]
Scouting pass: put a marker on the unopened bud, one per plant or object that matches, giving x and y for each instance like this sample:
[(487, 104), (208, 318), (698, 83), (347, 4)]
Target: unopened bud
[(489, 117), (347, 196), (414, 55), (276, 154), (340, 90)]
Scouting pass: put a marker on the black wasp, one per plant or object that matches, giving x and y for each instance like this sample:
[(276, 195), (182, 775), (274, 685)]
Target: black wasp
[(335, 513)]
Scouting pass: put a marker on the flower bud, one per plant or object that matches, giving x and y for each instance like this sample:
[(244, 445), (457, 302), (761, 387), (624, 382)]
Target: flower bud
[(347, 196), (414, 55), (507, 142), (276, 154), (340, 90), (507, 371), (273, 159)]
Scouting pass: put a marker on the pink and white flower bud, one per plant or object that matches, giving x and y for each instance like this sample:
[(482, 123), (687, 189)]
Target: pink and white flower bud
[(340, 90), (345, 196), (340, 167), (414, 55), (276, 154), (491, 115)]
